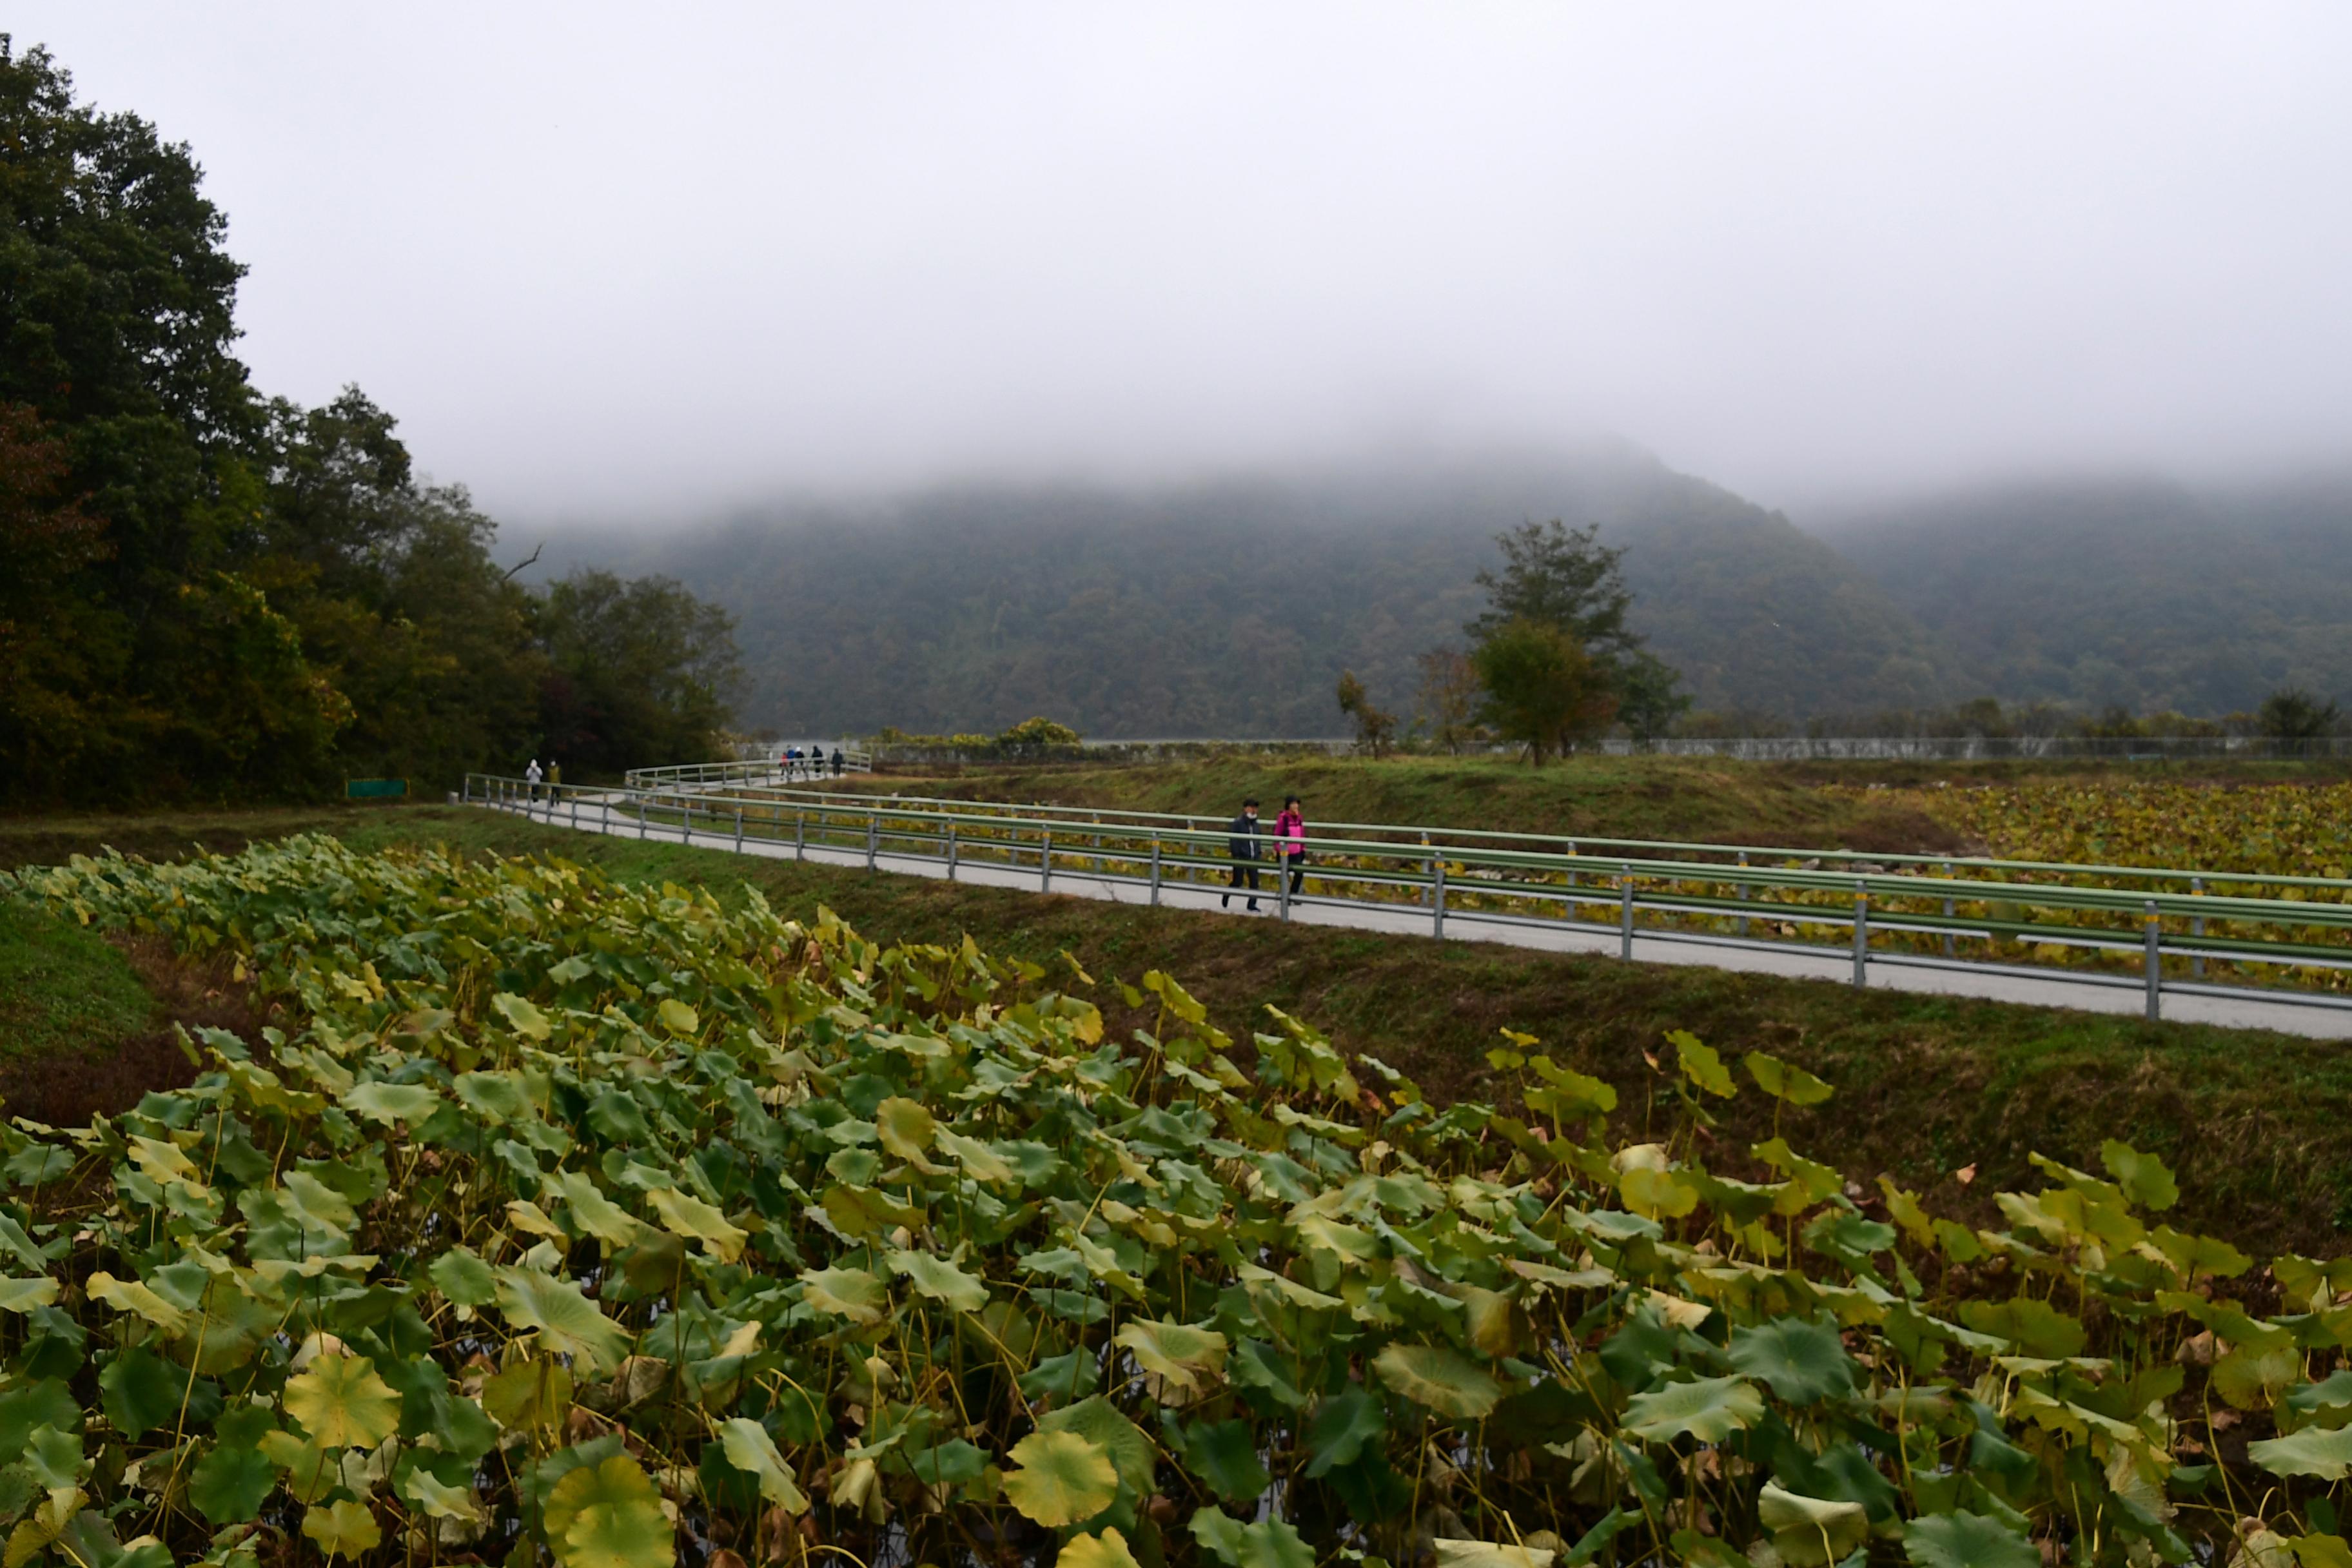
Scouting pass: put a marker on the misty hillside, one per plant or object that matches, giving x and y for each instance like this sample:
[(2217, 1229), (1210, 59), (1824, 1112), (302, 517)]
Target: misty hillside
[(1231, 609), (2144, 594)]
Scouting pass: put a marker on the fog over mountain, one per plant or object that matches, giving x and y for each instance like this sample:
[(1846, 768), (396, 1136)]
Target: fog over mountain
[(1230, 609), (635, 265)]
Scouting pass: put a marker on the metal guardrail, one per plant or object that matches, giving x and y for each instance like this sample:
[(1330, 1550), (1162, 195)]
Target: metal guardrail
[(2170, 932), (753, 770)]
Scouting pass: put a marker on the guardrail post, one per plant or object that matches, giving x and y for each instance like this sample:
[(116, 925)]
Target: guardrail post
[(1567, 905), (951, 851), (1437, 899), (1155, 873), (1740, 892), (1625, 913), (799, 835), (738, 830), (641, 816), (873, 838), (1951, 940), (2197, 928), (2154, 964), (1045, 861), (684, 819), (1861, 932), (1282, 883), (575, 812)]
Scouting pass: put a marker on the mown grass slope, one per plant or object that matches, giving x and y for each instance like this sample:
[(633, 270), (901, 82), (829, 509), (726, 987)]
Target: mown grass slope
[(1696, 798)]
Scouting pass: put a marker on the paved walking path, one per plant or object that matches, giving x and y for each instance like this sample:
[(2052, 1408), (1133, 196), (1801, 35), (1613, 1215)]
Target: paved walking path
[(1885, 973)]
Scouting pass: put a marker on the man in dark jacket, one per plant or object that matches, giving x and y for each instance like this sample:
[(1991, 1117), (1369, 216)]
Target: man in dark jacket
[(1242, 843)]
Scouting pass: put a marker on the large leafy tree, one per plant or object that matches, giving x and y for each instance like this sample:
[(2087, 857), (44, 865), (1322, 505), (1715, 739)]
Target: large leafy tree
[(1565, 578), (641, 668), (211, 594), (1542, 689)]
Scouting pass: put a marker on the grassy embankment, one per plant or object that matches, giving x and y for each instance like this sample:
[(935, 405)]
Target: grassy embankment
[(2153, 813), (1927, 1086), (1695, 798)]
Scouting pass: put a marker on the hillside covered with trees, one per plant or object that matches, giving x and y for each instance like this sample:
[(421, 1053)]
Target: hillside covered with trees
[(1231, 608), (211, 593), (2135, 595)]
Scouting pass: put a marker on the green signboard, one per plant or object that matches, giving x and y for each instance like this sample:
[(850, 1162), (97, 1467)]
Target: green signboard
[(374, 789)]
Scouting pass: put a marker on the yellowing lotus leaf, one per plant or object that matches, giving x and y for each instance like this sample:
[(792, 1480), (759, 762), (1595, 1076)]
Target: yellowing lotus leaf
[(1060, 1479)]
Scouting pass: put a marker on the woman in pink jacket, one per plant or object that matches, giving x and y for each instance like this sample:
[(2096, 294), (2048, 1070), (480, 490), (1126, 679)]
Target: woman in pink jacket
[(1290, 842)]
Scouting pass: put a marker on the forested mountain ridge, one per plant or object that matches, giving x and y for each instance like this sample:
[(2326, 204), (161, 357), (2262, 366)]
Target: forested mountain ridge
[(1230, 609), (2143, 593)]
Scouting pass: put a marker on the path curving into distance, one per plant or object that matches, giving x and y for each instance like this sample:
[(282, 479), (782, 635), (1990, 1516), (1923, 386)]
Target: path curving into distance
[(596, 814)]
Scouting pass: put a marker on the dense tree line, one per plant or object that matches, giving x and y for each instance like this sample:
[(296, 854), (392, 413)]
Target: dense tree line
[(208, 591)]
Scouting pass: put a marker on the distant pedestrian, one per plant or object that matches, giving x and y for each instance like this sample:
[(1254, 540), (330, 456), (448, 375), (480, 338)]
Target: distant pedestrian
[(836, 761), (1290, 835), (531, 777), (554, 778), (1241, 843), (817, 762)]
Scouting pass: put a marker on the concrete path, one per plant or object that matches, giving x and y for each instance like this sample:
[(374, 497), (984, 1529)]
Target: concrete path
[(2056, 989)]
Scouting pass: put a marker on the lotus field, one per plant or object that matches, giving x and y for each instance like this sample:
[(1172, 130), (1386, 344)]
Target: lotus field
[(567, 1221)]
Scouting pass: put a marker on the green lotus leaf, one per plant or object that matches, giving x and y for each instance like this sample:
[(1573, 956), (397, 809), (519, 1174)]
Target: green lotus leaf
[(1442, 1378), (1108, 1550), (939, 1279), (391, 1103), (1489, 1554), (1700, 1064), (1784, 1080), (1709, 1409), (678, 1019), (140, 1391), (608, 1515), (1961, 1539), (1811, 1532), (2144, 1178), (230, 1483), (1344, 1425), (750, 1450), (136, 1297), (1060, 1479), (979, 1162), (567, 1322), (1804, 1360), (906, 1129), (343, 1528), (521, 1017), (1224, 1454), (591, 1213), (851, 1293), (687, 1216), (437, 1500), (464, 1278), (343, 1404), (1181, 1355), (2316, 1451)]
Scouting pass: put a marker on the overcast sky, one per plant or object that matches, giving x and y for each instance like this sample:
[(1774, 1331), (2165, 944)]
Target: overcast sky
[(648, 261)]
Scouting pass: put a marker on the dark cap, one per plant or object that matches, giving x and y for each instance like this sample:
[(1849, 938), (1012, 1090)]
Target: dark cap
[(1250, 802)]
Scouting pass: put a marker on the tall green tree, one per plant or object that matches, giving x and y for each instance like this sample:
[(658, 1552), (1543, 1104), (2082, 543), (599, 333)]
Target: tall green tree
[(1564, 577), (212, 594), (640, 670), (1561, 576), (1543, 690)]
